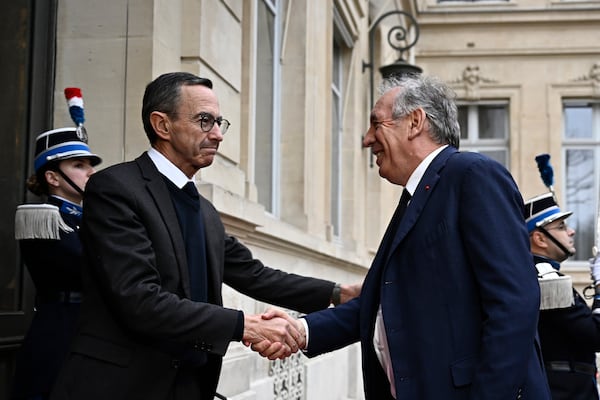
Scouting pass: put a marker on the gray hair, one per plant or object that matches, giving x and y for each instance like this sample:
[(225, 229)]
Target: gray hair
[(434, 97)]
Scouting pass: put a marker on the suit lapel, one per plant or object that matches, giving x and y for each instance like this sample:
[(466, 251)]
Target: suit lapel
[(370, 298), (420, 197), (372, 283), (162, 199)]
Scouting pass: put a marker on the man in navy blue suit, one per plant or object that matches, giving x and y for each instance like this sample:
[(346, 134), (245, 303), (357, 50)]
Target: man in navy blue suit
[(449, 307)]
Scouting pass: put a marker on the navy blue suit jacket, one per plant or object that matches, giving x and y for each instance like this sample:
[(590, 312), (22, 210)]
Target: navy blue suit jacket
[(458, 291)]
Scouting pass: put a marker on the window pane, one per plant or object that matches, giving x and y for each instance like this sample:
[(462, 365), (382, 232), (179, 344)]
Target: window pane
[(336, 126), (492, 122), (581, 199), (578, 122), (484, 129), (463, 120), (335, 166), (336, 67), (264, 108)]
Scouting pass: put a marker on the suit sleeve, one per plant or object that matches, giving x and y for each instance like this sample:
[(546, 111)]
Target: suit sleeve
[(334, 328), (133, 272), (249, 276)]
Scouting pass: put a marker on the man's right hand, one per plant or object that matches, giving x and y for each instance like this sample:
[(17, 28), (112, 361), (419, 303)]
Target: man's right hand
[(274, 337)]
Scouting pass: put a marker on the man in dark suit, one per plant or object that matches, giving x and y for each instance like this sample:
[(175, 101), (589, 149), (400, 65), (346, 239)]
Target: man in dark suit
[(449, 307), (152, 322)]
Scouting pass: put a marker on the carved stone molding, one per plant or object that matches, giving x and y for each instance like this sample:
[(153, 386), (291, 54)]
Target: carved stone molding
[(593, 78), (471, 79)]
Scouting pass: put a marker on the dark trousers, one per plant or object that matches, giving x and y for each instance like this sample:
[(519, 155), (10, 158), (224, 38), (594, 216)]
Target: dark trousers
[(196, 383), (572, 386)]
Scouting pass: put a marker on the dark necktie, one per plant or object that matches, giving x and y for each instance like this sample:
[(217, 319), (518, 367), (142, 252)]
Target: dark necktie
[(395, 222), (403, 204), (190, 189)]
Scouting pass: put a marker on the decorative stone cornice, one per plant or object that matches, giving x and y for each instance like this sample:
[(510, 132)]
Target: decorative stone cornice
[(592, 78), (471, 79)]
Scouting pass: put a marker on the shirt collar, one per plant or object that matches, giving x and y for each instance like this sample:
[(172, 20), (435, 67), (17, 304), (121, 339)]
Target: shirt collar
[(415, 177), (66, 206), (539, 259), (168, 169)]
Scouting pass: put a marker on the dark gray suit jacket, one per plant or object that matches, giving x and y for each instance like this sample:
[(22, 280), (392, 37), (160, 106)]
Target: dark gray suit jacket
[(136, 317)]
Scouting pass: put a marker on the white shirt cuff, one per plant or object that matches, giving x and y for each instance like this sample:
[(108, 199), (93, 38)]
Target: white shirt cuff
[(305, 324)]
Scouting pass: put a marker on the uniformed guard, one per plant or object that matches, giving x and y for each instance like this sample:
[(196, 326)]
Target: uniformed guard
[(51, 250), (569, 330)]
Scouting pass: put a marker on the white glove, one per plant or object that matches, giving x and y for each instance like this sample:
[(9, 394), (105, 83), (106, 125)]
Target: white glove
[(595, 269)]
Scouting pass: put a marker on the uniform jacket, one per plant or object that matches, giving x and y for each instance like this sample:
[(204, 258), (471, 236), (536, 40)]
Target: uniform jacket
[(136, 318), (570, 335), (54, 267), (458, 291)]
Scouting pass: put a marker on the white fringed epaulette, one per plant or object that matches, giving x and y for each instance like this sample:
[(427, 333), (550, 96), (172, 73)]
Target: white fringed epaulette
[(39, 221), (556, 290)]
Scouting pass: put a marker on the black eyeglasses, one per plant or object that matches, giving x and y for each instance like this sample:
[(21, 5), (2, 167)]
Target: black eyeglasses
[(207, 121)]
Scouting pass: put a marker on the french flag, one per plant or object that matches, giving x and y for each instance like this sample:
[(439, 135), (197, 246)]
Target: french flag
[(75, 103)]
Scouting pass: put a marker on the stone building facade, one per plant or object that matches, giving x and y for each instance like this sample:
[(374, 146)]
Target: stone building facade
[(291, 179)]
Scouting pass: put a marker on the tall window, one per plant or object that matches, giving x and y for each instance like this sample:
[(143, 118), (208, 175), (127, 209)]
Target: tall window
[(267, 104), (581, 146), (484, 129), (343, 44)]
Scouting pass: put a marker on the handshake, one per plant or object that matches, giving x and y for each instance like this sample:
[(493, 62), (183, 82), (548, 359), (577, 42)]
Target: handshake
[(277, 335), (274, 334)]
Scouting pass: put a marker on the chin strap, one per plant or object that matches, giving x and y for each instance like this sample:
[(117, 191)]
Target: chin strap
[(555, 241), (69, 181)]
